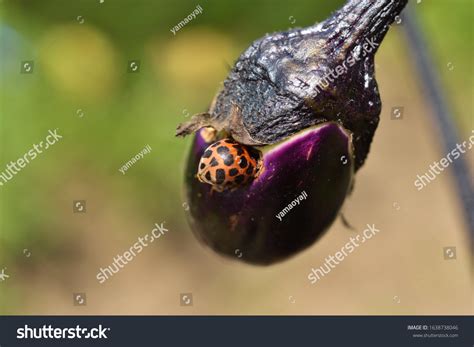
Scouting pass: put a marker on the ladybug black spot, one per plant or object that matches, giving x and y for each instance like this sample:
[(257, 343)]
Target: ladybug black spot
[(208, 176), (249, 170), (207, 154), (220, 176), (239, 149), (202, 166), (213, 162), (254, 153), (222, 150), (233, 172), (229, 160), (239, 179), (243, 162)]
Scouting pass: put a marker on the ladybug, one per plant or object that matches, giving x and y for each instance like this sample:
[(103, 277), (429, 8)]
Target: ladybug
[(227, 164)]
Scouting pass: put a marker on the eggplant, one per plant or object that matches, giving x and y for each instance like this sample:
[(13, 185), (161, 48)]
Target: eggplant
[(305, 98), (304, 182)]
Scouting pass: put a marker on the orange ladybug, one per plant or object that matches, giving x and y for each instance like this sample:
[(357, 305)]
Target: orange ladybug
[(228, 164)]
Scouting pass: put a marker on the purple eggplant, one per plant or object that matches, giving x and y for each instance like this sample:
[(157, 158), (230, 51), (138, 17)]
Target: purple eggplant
[(311, 95), (303, 184)]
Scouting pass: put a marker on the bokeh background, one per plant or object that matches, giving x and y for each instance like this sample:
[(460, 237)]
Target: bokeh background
[(82, 85)]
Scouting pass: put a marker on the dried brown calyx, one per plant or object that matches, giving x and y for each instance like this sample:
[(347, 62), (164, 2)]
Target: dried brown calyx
[(288, 81)]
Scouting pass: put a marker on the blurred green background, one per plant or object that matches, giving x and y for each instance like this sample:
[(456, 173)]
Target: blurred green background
[(81, 85)]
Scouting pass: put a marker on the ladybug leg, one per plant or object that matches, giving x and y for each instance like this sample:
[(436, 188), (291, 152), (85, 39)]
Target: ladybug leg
[(217, 189)]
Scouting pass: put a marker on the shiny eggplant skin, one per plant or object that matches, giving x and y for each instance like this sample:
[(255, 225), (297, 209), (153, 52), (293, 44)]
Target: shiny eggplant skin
[(243, 223)]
